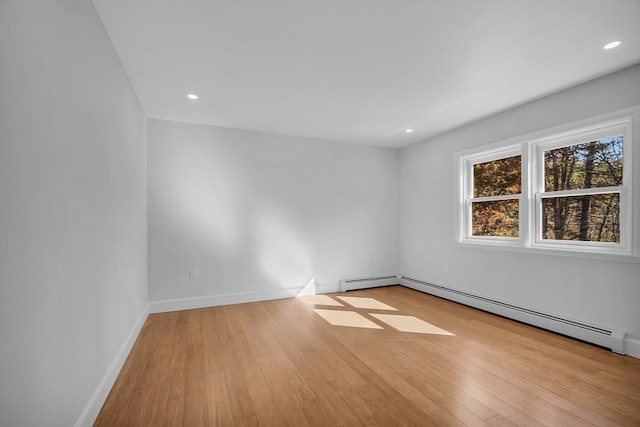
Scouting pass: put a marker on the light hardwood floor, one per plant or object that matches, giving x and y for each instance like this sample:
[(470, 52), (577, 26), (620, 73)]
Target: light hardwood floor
[(279, 363)]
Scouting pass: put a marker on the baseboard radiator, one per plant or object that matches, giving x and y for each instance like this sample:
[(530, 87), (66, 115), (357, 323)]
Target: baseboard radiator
[(368, 282), (604, 337)]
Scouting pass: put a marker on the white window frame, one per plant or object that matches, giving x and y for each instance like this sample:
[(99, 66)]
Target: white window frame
[(531, 149), (466, 228)]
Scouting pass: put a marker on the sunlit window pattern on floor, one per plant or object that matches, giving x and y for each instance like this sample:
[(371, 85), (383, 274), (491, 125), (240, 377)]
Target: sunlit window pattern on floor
[(368, 303), (402, 323), (409, 324), (346, 318), (319, 300)]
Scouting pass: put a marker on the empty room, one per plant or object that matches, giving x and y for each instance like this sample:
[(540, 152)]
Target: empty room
[(319, 212)]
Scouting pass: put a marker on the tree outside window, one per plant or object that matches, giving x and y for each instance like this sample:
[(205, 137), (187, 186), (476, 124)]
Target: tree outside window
[(584, 216), (567, 192)]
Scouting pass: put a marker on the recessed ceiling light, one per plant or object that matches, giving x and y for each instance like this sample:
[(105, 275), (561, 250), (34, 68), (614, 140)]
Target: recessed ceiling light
[(612, 44), (409, 130), (192, 96)]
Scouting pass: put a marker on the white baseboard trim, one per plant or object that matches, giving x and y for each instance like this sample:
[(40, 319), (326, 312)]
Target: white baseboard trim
[(327, 289), (216, 300), (369, 282), (603, 336), (94, 405), (632, 347)]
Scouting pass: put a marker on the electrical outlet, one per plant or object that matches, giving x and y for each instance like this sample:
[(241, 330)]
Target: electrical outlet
[(445, 268), (193, 274)]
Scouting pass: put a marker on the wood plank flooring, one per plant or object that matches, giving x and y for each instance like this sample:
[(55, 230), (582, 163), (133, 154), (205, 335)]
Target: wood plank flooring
[(279, 363)]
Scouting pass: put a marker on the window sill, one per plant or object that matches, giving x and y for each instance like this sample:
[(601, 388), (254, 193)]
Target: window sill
[(518, 247)]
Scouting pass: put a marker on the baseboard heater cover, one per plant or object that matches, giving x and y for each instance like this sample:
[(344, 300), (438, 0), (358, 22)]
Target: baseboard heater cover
[(605, 337), (368, 282)]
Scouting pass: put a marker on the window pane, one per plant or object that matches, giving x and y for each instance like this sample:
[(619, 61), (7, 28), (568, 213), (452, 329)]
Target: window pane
[(496, 218), (594, 218), (497, 177), (591, 164)]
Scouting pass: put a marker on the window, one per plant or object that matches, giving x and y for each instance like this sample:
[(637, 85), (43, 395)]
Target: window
[(569, 191), (496, 196), (581, 191), (492, 196)]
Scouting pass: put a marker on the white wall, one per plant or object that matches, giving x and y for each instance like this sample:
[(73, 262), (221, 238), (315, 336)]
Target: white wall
[(600, 292), (259, 213), (73, 272)]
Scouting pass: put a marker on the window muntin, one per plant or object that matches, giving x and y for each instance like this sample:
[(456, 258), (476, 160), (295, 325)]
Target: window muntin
[(595, 192), (496, 192), (581, 195), (493, 186)]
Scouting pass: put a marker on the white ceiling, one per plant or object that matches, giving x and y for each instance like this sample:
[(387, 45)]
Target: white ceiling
[(361, 71)]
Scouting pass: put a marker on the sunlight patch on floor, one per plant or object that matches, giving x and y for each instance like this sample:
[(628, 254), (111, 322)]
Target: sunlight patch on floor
[(409, 324), (346, 318), (319, 300), (368, 303)]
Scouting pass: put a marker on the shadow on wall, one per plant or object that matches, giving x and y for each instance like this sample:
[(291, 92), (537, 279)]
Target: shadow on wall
[(258, 212)]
